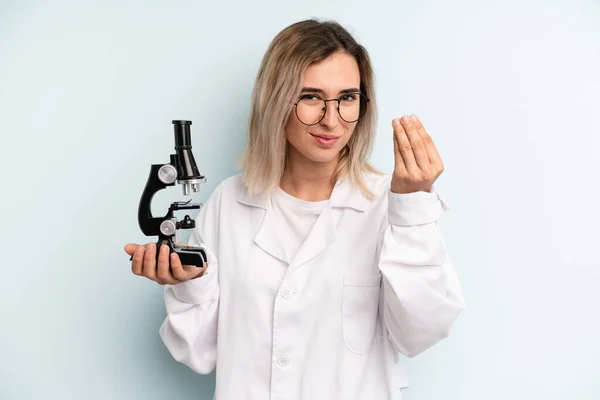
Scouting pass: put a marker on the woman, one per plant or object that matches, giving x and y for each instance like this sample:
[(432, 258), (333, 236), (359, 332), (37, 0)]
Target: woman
[(320, 269)]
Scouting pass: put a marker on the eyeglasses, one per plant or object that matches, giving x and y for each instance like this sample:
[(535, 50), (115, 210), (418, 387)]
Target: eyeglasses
[(311, 108)]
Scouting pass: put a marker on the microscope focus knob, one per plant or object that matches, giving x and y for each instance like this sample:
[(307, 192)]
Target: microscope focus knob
[(167, 174), (168, 227)]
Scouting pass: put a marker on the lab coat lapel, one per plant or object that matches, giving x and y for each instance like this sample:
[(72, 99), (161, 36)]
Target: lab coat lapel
[(322, 234), (320, 238), (264, 223), (269, 237)]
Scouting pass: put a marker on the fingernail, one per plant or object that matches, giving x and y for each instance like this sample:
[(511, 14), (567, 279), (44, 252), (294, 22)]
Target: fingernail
[(395, 122), (164, 248), (405, 119), (414, 118)]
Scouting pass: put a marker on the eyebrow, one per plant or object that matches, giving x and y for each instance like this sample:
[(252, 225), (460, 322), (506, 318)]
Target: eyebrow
[(317, 90)]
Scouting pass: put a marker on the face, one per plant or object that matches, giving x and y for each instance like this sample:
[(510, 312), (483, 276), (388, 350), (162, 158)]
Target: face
[(321, 143)]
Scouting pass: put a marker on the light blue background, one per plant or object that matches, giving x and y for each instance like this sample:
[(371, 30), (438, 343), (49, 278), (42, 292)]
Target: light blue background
[(508, 90)]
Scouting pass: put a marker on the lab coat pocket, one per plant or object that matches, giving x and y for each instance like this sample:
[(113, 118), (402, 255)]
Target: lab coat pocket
[(360, 304)]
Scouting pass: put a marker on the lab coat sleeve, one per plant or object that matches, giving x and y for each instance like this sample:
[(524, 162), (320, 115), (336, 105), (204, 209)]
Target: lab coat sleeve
[(189, 330), (422, 296)]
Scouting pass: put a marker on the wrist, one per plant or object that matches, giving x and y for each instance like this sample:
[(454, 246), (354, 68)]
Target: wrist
[(414, 208)]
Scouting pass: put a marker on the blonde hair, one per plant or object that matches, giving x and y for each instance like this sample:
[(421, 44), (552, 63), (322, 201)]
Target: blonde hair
[(278, 84)]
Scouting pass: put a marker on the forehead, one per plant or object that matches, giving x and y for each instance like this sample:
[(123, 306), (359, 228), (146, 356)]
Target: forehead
[(338, 72)]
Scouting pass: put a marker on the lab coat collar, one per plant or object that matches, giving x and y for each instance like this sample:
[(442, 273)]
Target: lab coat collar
[(344, 195), (321, 236)]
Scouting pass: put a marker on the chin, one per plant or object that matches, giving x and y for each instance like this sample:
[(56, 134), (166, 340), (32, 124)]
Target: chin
[(320, 155)]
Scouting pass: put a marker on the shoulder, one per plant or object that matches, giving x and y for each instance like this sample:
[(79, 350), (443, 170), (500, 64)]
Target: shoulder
[(230, 186), (233, 190), (225, 190), (363, 192), (377, 183)]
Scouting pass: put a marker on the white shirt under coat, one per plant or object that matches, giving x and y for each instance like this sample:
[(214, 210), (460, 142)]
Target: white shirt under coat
[(323, 317)]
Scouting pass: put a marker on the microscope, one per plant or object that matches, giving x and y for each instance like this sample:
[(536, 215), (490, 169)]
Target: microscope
[(182, 170)]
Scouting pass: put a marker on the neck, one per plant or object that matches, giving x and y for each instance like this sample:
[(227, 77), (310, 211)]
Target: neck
[(308, 180)]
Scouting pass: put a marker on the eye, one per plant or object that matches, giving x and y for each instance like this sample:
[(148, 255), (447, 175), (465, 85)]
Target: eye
[(311, 100), (349, 97), (310, 97)]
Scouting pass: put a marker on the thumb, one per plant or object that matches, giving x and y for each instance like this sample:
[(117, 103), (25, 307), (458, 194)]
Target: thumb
[(130, 248), (399, 164), (397, 154)]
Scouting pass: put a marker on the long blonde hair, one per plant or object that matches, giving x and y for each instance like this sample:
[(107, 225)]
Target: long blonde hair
[(278, 84)]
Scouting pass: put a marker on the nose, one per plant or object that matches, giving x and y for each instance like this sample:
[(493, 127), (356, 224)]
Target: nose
[(331, 119)]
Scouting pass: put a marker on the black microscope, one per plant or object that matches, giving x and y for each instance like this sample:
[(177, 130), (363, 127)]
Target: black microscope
[(182, 170)]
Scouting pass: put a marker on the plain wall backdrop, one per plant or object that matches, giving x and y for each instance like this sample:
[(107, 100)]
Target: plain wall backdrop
[(508, 90)]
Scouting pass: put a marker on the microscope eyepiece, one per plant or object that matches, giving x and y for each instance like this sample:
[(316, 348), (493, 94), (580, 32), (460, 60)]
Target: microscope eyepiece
[(183, 159), (183, 135)]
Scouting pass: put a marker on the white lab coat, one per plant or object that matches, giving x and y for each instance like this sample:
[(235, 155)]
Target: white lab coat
[(373, 279)]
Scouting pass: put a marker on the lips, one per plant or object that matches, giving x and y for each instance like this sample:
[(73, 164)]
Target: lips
[(326, 137), (325, 140)]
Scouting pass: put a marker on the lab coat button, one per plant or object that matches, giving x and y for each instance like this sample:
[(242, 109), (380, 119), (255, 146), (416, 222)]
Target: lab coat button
[(283, 361), (287, 293)]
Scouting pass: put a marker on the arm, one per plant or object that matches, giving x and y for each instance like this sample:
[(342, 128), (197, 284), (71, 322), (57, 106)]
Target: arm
[(190, 329), (422, 296)]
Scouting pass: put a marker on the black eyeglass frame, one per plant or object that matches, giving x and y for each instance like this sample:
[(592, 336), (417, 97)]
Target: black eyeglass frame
[(325, 101)]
